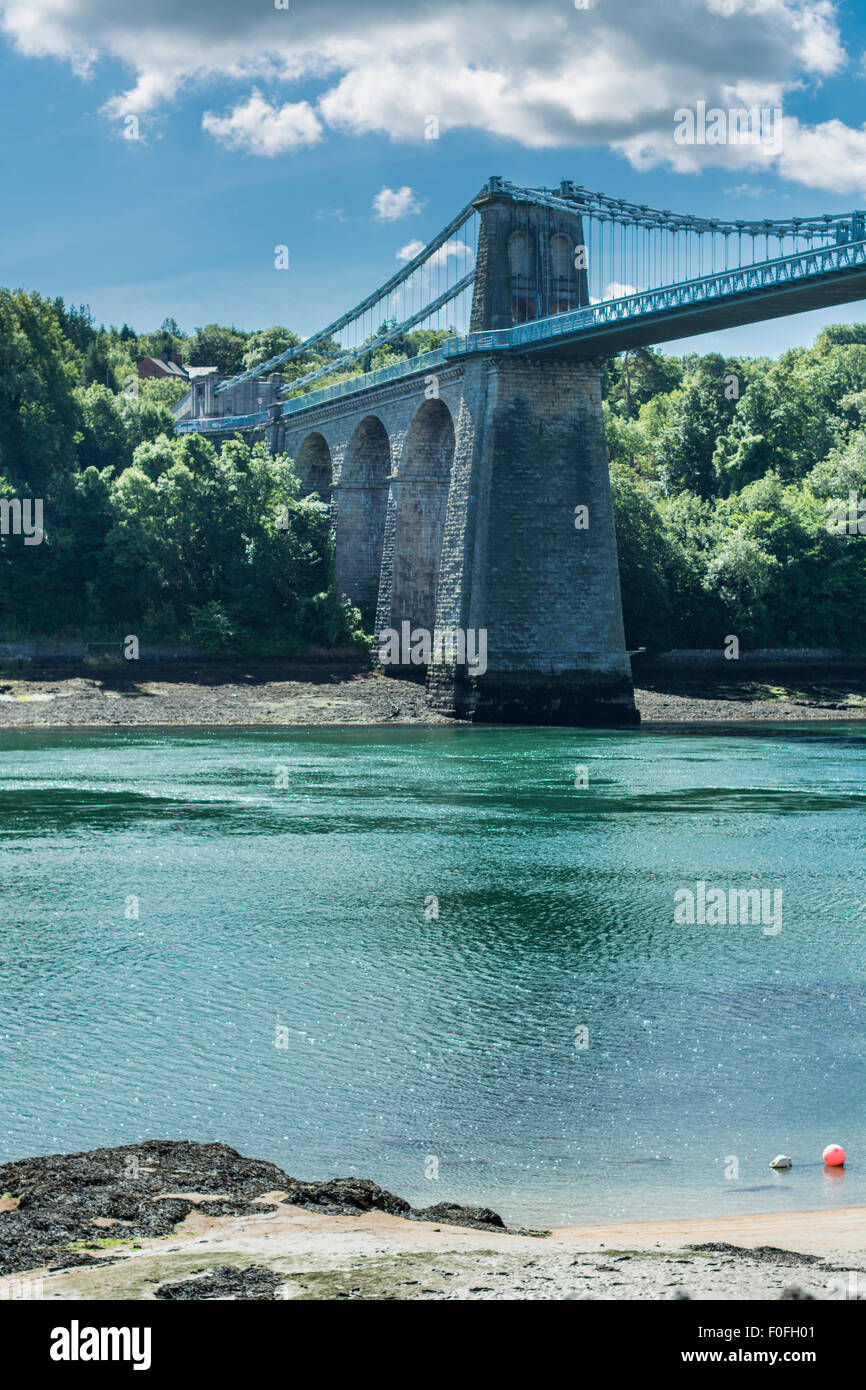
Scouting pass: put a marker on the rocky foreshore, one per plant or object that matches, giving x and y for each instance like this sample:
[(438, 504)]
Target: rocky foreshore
[(59, 1207), (178, 1220), (309, 696)]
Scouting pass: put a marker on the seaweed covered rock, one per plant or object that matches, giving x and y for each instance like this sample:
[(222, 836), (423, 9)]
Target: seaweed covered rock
[(452, 1214), (226, 1281), (344, 1196), (130, 1187), (69, 1206)]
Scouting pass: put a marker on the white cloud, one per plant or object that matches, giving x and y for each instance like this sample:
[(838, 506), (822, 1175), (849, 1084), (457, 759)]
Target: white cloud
[(543, 75), (410, 251), (617, 291), (747, 190), (258, 127), (457, 249), (390, 204), (451, 249), (830, 155)]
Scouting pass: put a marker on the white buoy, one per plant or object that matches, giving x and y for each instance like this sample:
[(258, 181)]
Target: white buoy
[(781, 1161)]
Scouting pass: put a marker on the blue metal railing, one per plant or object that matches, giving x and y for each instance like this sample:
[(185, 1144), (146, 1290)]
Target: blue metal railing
[(214, 423), (410, 367), (763, 275)]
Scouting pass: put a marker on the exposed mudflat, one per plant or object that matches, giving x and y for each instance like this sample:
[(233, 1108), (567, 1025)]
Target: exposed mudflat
[(179, 1221), (208, 696), (356, 695), (714, 701)]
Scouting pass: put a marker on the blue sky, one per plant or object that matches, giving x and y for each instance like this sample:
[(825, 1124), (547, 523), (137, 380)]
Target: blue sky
[(261, 127)]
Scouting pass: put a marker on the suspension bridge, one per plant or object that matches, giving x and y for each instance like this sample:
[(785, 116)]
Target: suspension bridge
[(452, 420)]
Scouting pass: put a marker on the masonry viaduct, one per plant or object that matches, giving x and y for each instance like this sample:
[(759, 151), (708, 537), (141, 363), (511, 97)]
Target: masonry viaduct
[(453, 498)]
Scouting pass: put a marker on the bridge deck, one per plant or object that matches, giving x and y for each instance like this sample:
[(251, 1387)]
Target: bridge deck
[(770, 289)]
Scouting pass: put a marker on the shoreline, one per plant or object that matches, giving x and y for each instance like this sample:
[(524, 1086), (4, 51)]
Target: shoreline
[(375, 1256), (179, 1220), (323, 697)]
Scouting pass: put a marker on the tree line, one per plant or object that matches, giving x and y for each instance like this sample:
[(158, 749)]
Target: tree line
[(725, 473), (147, 532)]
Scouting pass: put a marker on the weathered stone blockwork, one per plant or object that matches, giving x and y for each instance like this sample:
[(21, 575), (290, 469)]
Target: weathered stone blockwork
[(531, 449), (458, 513), (390, 457), (453, 499)]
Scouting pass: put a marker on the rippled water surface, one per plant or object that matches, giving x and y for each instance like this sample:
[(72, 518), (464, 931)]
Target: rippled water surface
[(302, 915)]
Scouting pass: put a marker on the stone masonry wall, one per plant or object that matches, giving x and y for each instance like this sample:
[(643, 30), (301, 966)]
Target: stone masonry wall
[(530, 450)]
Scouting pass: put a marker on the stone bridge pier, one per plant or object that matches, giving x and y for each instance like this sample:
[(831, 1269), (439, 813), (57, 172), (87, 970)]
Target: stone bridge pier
[(529, 551), (454, 501)]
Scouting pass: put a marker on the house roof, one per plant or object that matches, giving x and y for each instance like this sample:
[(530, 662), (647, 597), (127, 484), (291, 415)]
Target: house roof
[(170, 368)]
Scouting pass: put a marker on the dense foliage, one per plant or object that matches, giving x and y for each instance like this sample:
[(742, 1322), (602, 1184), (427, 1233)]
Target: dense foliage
[(726, 475), (146, 533), (724, 471)]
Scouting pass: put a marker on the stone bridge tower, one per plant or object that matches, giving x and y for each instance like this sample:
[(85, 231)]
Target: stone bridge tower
[(532, 261)]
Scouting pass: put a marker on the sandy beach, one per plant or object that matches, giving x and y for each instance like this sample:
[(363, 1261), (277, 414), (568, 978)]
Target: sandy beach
[(377, 1256), (120, 1224)]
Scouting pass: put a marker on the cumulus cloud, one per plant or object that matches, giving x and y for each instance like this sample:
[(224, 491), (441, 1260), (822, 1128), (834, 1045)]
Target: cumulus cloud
[(259, 127), (410, 251), (390, 204), (457, 249), (543, 75), (829, 155)]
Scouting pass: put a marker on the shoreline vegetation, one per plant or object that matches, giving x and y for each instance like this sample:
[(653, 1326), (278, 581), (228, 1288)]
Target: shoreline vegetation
[(178, 1220), (738, 488), (352, 694)]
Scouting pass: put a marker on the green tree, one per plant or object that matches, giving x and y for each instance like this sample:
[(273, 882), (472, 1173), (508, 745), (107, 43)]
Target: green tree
[(218, 347), (635, 377), (701, 414), (39, 416), (261, 347)]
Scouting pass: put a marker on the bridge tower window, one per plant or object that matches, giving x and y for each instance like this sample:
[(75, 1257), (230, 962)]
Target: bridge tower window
[(523, 309), (561, 291), (518, 256), (523, 303)]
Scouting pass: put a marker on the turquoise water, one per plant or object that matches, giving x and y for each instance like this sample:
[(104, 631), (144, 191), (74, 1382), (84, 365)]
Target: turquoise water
[(302, 915)]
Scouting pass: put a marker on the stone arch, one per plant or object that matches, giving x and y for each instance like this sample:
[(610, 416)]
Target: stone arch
[(561, 267), (313, 467), (362, 499), (518, 253), (560, 256), (523, 305), (420, 499)]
